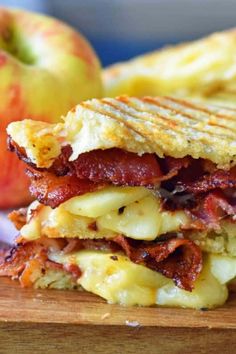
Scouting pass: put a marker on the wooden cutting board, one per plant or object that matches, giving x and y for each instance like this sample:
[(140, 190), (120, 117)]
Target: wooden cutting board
[(50, 321)]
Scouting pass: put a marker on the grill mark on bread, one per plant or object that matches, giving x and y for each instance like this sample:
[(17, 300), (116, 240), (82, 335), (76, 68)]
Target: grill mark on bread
[(160, 105), (157, 103), (133, 116), (184, 114), (171, 124), (151, 118), (174, 110), (198, 108), (163, 119), (131, 104), (171, 109), (110, 115)]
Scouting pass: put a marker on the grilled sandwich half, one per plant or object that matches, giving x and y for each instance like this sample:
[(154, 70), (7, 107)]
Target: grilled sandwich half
[(204, 69), (135, 202)]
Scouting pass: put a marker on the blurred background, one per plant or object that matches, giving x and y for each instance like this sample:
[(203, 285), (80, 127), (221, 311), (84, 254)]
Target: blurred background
[(121, 29)]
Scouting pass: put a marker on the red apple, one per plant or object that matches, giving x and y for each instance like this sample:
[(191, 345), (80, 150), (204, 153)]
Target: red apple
[(46, 68)]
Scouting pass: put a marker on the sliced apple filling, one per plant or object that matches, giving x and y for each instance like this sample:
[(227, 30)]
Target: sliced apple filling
[(132, 211), (119, 280)]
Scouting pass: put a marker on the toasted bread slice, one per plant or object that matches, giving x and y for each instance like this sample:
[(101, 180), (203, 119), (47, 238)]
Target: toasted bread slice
[(203, 68), (161, 125)]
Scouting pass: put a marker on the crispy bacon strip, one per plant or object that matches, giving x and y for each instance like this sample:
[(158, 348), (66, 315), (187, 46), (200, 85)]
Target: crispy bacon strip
[(211, 209), (29, 261), (112, 165), (126, 168), (178, 259), (16, 258), (217, 179), (53, 190), (170, 166), (117, 166), (96, 169)]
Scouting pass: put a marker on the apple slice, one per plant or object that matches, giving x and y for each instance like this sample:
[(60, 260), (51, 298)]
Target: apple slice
[(208, 292), (139, 220), (223, 267), (143, 220), (103, 201)]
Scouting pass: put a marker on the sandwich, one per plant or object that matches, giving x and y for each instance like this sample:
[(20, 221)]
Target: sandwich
[(203, 69), (135, 201)]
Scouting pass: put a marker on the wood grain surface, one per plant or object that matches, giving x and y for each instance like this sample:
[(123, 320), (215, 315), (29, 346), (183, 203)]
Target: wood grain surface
[(76, 322)]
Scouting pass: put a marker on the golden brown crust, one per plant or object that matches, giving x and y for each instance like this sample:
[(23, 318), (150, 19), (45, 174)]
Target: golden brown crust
[(162, 125)]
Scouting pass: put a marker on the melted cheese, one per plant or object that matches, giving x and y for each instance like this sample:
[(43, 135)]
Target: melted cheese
[(121, 281), (97, 215)]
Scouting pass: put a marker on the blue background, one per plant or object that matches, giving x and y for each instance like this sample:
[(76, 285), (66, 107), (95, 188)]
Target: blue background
[(121, 29)]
